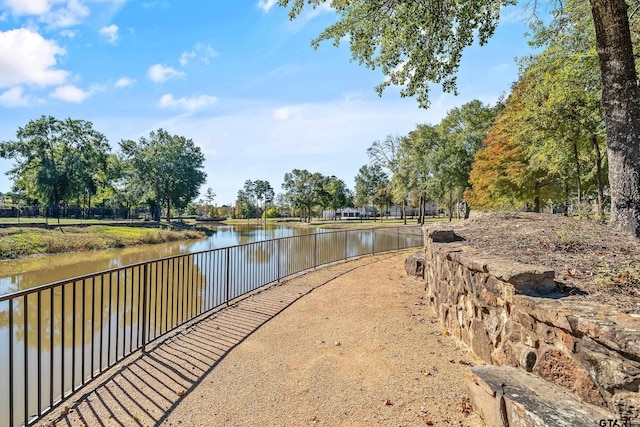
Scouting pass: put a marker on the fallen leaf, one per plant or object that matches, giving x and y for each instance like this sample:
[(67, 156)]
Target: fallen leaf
[(466, 407), (429, 422), (447, 333), (388, 402), (464, 362)]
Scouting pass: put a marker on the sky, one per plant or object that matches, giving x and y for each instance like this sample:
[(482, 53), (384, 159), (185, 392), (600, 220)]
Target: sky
[(237, 77)]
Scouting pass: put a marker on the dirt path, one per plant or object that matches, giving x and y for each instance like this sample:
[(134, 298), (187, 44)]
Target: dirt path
[(349, 345)]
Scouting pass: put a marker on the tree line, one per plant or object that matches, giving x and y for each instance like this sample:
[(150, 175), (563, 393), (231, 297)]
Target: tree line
[(68, 162), (590, 49)]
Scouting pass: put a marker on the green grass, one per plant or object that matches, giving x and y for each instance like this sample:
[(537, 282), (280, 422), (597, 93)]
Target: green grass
[(63, 221), (25, 241)]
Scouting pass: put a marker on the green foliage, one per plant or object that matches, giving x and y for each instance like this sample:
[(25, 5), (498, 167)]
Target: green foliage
[(16, 243), (371, 185), (57, 160), (304, 191), (548, 145), (412, 42), (165, 169), (272, 212), (253, 198), (336, 194)]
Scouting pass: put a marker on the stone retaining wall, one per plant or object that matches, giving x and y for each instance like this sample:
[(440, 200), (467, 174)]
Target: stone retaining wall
[(510, 314)]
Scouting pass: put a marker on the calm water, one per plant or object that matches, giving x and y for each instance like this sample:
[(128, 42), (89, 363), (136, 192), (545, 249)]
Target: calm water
[(86, 325), (27, 273)]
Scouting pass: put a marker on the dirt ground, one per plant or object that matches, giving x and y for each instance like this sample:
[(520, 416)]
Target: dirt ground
[(590, 260), (353, 344)]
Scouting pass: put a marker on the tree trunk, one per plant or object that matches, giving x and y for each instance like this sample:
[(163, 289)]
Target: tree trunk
[(450, 207), (168, 210), (566, 197), (596, 149), (404, 211), (576, 158), (621, 105)]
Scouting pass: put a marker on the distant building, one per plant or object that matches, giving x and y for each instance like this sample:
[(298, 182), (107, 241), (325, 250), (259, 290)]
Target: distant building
[(350, 213), (367, 212)]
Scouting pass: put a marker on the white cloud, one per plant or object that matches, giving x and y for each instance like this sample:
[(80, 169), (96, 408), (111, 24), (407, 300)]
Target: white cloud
[(27, 57), (308, 15), (69, 13), (514, 14), (69, 33), (186, 57), (189, 104), (125, 82), (27, 7), (266, 5), (203, 52), (110, 33), (286, 113), (62, 13), (159, 73), (70, 93), (14, 97)]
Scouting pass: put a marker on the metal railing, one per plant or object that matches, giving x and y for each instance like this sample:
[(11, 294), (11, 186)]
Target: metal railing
[(56, 338)]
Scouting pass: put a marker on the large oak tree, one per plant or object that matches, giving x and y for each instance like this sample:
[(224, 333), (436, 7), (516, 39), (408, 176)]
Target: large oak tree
[(168, 169), (56, 160)]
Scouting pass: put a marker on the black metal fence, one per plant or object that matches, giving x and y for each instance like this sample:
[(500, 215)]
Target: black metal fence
[(74, 212), (56, 338)]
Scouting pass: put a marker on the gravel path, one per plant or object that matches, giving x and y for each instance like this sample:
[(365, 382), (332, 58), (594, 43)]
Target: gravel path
[(353, 344)]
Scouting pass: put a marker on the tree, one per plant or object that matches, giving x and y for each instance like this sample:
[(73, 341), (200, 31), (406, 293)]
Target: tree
[(503, 174), (254, 196), (303, 190), (371, 185), (167, 168), (245, 203), (416, 43), (386, 155), (56, 159), (336, 192), (209, 196), (263, 193), (461, 134)]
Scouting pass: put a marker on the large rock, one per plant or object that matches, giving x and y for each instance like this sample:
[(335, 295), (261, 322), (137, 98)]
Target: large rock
[(505, 396), (414, 264)]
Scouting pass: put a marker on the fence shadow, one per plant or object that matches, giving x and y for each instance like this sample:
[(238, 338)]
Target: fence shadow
[(144, 391)]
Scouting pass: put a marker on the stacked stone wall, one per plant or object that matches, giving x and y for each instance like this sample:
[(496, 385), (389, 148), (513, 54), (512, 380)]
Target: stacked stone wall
[(511, 314)]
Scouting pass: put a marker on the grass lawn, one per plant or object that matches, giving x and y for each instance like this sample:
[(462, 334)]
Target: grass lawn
[(17, 242)]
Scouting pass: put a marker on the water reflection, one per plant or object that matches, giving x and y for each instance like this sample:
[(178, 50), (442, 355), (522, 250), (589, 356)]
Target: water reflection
[(62, 336), (30, 272)]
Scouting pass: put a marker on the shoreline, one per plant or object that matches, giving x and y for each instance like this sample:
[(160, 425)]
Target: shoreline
[(20, 242)]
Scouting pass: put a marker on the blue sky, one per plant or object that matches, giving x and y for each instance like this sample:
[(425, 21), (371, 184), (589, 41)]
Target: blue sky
[(237, 77)]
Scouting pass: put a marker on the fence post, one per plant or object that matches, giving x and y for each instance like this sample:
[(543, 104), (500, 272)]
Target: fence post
[(398, 242), (315, 250), (227, 277), (144, 308), (11, 359), (373, 241), (278, 258), (346, 246)]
